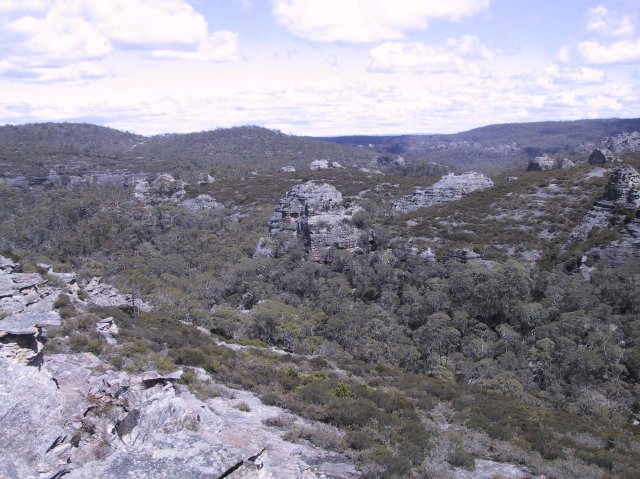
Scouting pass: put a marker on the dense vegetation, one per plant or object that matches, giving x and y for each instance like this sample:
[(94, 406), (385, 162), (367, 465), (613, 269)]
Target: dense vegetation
[(418, 362), (84, 149)]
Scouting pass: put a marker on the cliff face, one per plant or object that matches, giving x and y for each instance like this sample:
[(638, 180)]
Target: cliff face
[(314, 212), (618, 206), (449, 188)]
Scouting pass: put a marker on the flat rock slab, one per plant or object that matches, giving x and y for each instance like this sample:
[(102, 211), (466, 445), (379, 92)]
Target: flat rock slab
[(27, 323), (489, 469)]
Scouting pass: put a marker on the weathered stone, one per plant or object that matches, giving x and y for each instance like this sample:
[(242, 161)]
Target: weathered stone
[(319, 165), (542, 163), (621, 192), (462, 255), (7, 265), (201, 203), (623, 142), (449, 188), (288, 169), (314, 213), (28, 323), (623, 187), (600, 156), (565, 164)]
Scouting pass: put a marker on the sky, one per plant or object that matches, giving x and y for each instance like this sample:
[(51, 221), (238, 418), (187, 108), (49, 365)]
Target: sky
[(317, 67)]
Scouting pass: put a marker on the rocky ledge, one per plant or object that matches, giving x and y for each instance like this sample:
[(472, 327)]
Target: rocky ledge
[(449, 188)]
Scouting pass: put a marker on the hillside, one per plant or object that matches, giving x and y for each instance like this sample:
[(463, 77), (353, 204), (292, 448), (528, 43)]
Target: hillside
[(495, 148), (80, 149)]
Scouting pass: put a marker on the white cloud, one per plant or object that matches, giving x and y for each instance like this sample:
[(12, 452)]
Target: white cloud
[(218, 47), (367, 21), (456, 55), (68, 33), (21, 5), (555, 75), (622, 51), (608, 23)]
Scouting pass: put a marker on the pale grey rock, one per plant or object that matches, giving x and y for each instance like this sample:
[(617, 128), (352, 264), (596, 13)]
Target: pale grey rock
[(462, 255), (314, 213), (28, 323), (288, 169), (201, 203), (265, 247), (542, 163), (32, 421), (621, 192), (94, 424), (547, 163), (623, 142), (104, 294), (600, 156), (319, 165), (7, 265), (108, 328), (485, 469), (450, 188), (21, 336)]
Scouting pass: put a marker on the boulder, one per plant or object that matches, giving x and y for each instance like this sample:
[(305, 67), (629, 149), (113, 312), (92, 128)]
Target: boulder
[(201, 203), (462, 255), (450, 188), (600, 156), (542, 163), (319, 165)]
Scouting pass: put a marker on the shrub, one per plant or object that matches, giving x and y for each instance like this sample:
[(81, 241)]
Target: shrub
[(62, 301), (188, 377), (458, 457)]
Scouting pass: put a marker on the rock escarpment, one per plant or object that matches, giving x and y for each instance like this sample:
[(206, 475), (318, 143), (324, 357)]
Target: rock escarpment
[(623, 142), (618, 207), (314, 213), (449, 188)]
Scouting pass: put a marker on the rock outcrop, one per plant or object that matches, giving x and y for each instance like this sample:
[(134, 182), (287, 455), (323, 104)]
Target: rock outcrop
[(621, 198), (449, 188), (542, 163), (324, 165), (71, 418), (201, 203), (313, 212), (21, 336), (600, 156), (462, 255), (547, 163), (623, 142)]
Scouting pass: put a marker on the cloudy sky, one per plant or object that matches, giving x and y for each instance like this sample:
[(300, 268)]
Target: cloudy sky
[(317, 67)]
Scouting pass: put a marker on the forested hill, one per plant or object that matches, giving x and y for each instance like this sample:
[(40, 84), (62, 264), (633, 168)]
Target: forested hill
[(495, 147), (80, 148)]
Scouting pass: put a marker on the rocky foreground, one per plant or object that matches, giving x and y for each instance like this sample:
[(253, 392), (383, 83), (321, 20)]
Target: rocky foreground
[(73, 415)]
